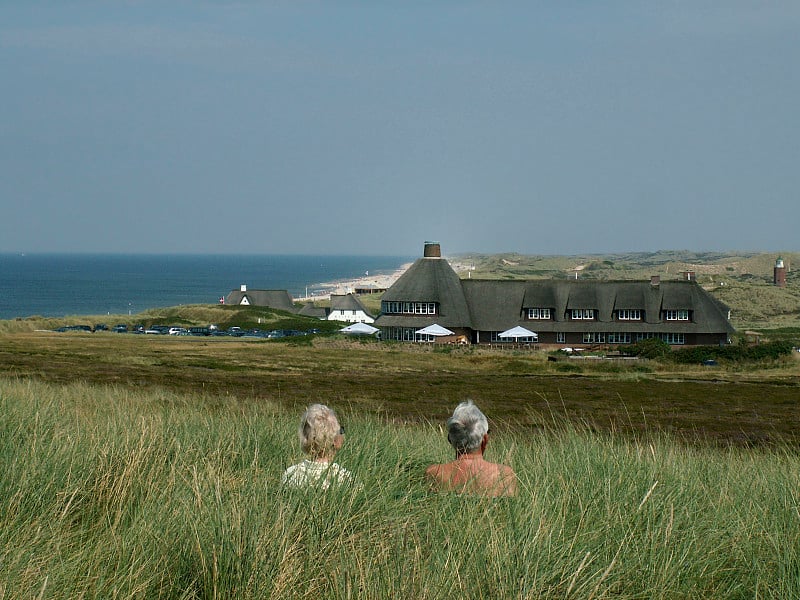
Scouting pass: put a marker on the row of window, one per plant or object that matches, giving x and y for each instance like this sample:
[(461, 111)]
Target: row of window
[(626, 338), (590, 314), (409, 308), (496, 339), (404, 334), (577, 314), (408, 334)]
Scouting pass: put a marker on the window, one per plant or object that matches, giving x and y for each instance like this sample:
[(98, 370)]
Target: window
[(582, 313), (619, 338), (538, 313), (594, 338), (561, 337), (400, 334), (629, 314), (676, 315), (674, 338), (409, 308), (494, 337)]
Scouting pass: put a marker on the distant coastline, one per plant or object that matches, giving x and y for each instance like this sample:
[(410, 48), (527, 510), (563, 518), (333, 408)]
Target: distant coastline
[(378, 281)]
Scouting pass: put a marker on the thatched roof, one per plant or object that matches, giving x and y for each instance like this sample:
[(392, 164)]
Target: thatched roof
[(430, 280), (348, 302), (279, 299)]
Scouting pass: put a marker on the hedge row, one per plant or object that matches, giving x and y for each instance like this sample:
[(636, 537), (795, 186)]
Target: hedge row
[(655, 348)]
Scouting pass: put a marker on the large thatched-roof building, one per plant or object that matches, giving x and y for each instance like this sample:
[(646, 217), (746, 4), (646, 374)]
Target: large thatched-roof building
[(560, 312)]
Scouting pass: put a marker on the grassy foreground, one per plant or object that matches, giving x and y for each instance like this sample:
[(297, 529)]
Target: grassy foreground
[(108, 492)]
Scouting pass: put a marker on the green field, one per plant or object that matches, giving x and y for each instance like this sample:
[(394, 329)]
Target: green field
[(739, 403), (119, 492)]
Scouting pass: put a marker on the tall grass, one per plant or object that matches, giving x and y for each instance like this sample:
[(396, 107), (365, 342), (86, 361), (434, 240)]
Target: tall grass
[(109, 493)]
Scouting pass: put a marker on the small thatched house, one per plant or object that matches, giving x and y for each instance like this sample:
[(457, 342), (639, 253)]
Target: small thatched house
[(279, 299), (348, 308)]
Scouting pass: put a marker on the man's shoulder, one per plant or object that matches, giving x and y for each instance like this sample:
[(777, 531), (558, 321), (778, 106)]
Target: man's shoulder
[(435, 469)]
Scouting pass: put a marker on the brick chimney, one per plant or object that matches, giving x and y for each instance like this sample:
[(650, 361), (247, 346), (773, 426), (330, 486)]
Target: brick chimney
[(243, 288), (689, 275), (432, 250)]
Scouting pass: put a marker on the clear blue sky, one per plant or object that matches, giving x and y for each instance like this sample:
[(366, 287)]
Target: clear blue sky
[(370, 127)]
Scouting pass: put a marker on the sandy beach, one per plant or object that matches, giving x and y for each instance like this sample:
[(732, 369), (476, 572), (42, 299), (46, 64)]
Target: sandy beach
[(379, 281)]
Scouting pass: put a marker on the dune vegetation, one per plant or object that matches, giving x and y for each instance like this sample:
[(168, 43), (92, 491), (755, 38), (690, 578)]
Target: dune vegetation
[(110, 492)]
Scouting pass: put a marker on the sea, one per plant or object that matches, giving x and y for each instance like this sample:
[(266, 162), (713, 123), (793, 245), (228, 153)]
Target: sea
[(54, 285)]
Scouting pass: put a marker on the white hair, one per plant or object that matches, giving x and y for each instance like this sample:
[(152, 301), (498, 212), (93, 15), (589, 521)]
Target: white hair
[(318, 430), (466, 428)]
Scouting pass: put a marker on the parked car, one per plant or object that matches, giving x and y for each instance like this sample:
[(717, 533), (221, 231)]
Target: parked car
[(120, 328), (73, 328), (177, 331), (101, 327)]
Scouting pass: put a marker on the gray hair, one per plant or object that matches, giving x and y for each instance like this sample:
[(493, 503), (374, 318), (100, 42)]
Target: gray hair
[(466, 428), (318, 430)]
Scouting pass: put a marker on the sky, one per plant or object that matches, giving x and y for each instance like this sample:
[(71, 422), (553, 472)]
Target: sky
[(371, 127)]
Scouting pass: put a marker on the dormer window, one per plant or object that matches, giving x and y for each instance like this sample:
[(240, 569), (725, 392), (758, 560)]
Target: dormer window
[(539, 313), (676, 315), (629, 314), (582, 314)]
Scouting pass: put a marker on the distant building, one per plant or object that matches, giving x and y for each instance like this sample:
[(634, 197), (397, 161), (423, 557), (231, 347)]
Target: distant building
[(368, 289), (278, 299), (348, 308), (561, 312), (779, 273)]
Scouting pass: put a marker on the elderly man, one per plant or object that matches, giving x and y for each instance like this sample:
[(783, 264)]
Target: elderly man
[(321, 437), (468, 433)]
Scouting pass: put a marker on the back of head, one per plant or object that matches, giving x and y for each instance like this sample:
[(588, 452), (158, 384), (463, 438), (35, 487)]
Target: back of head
[(318, 430), (466, 428)]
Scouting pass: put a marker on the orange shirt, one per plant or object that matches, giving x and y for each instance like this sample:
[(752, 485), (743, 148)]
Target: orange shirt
[(470, 473)]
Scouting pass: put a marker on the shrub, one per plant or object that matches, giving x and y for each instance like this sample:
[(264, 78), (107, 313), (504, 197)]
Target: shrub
[(733, 353), (650, 348)]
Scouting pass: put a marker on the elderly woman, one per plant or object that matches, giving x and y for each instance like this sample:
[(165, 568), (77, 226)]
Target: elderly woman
[(468, 434), (321, 437)]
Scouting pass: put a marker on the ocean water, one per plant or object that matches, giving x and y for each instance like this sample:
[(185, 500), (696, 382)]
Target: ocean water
[(54, 285)]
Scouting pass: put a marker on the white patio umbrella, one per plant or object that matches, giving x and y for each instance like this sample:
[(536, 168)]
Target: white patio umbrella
[(434, 330), (359, 329), (519, 332)]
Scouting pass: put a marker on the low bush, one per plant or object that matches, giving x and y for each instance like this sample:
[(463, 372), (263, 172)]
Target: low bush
[(652, 348), (768, 351)]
